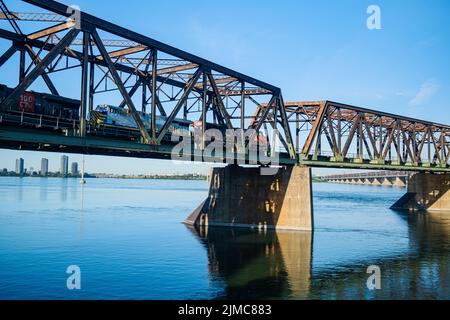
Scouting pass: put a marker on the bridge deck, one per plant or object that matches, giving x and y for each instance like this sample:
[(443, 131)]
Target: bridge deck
[(21, 138)]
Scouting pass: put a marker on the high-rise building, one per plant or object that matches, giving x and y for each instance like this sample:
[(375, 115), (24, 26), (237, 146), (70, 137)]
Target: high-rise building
[(64, 170), (74, 169), (44, 167), (20, 164)]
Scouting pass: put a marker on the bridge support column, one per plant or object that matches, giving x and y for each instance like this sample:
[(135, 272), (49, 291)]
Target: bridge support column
[(243, 197), (386, 182), (376, 182), (400, 182), (426, 192)]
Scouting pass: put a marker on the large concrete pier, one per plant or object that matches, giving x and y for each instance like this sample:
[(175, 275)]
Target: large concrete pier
[(251, 198), (426, 192), (245, 197)]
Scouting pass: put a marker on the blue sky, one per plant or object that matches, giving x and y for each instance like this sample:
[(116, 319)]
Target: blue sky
[(311, 49)]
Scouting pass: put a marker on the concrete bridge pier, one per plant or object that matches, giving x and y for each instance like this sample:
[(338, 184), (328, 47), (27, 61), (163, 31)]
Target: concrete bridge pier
[(246, 197), (426, 192), (375, 182), (399, 182)]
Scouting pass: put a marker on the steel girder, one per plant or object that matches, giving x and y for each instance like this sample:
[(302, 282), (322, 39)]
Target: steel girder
[(167, 79)]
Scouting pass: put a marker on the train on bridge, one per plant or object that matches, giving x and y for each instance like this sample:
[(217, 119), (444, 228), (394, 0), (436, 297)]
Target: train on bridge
[(42, 110)]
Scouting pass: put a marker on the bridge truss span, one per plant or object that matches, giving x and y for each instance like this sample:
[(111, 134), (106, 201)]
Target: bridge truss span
[(148, 76), (358, 137)]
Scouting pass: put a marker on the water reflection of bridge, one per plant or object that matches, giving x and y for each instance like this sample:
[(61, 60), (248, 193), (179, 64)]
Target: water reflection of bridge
[(256, 264)]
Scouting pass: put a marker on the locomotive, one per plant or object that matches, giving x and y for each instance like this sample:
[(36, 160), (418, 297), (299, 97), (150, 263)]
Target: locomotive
[(42, 104), (112, 120)]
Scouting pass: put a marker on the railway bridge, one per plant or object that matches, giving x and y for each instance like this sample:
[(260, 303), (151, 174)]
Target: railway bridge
[(71, 54), (376, 178)]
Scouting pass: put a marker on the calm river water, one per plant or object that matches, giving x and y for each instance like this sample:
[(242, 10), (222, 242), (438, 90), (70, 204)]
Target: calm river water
[(128, 240)]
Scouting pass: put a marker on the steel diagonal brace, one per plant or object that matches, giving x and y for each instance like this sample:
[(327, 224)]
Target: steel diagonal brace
[(35, 58), (131, 92), (315, 129), (334, 144), (289, 143), (272, 120), (8, 54), (121, 87), (39, 69), (436, 149), (351, 134), (264, 116), (389, 143), (221, 106), (158, 102), (180, 103), (448, 154), (260, 120)]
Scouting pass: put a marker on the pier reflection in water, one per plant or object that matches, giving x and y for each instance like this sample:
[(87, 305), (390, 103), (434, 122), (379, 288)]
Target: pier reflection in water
[(274, 264), (258, 264)]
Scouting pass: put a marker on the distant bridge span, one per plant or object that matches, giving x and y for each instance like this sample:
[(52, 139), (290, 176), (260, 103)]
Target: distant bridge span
[(376, 178), (103, 62)]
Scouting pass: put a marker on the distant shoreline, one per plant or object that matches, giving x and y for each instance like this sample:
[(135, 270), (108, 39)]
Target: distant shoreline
[(175, 178), (182, 178), (122, 177)]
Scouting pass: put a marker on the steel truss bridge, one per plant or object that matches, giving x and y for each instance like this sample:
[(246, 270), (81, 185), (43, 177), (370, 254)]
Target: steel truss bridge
[(374, 178), (100, 59)]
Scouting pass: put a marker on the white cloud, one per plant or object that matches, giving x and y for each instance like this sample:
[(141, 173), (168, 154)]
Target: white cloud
[(427, 90)]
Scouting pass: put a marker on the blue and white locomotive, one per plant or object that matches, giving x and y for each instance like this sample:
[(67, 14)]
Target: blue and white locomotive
[(118, 121)]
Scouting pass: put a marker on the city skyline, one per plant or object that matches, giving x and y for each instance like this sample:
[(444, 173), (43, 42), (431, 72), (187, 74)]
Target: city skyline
[(52, 162), (20, 167)]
